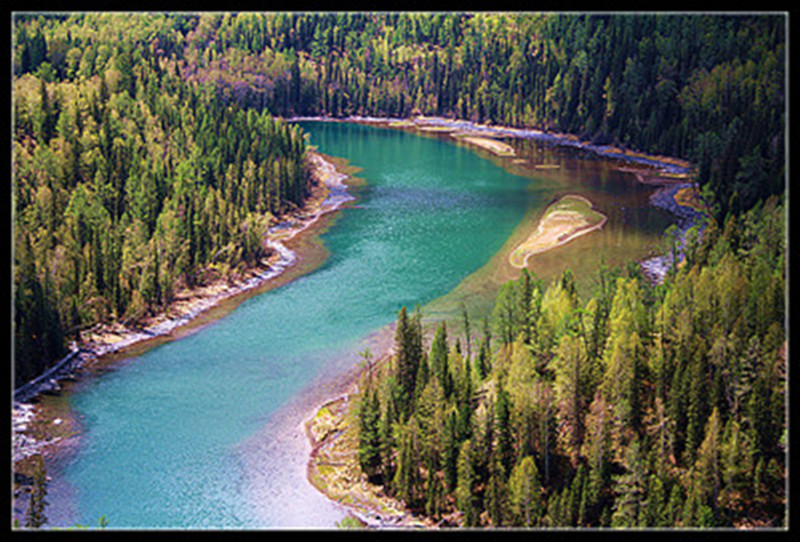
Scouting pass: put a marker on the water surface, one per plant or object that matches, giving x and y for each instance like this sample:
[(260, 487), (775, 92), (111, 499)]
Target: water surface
[(176, 438), (204, 432)]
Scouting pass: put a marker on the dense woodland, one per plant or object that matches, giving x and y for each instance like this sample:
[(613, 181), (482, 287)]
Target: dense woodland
[(707, 88), (129, 181), (642, 406), (148, 153)]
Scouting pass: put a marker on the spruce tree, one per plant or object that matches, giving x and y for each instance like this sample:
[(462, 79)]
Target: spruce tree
[(496, 492), (438, 359), (466, 500), (368, 436), (35, 517)]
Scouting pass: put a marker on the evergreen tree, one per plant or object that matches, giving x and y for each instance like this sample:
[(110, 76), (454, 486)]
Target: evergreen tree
[(35, 517), (630, 489), (524, 488), (368, 435), (496, 492), (466, 500), (407, 476), (438, 359)]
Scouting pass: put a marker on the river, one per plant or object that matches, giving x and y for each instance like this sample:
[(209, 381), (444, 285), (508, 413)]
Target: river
[(204, 432)]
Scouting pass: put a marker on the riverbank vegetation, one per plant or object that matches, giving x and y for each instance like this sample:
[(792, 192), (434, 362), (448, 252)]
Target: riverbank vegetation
[(709, 88), (641, 406), (129, 182)]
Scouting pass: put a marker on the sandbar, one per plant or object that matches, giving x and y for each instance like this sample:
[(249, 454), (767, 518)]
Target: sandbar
[(568, 218), (492, 145)]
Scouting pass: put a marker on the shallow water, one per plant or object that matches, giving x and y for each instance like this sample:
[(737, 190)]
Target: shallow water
[(204, 432)]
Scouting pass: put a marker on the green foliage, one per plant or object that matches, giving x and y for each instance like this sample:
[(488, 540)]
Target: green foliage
[(525, 490), (35, 517), (130, 181), (671, 424), (466, 500), (368, 437), (350, 522), (709, 88)]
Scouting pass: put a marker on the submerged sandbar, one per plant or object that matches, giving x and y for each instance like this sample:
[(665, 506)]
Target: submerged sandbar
[(492, 145), (568, 218)]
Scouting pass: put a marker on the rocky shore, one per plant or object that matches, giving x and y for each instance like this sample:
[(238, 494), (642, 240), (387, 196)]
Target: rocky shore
[(333, 465), (666, 198)]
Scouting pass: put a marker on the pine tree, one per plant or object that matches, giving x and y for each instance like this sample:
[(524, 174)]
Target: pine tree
[(466, 499), (496, 491), (368, 436), (386, 437), (736, 466), (630, 489), (569, 383), (451, 447), (706, 480), (596, 450), (674, 506), (467, 331), (406, 366), (502, 428), (406, 481), (438, 359), (654, 512), (698, 401), (35, 516)]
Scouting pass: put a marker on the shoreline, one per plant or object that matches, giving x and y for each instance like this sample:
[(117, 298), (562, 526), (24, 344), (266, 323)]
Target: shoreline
[(328, 195), (35, 431), (675, 199), (332, 466), (668, 169)]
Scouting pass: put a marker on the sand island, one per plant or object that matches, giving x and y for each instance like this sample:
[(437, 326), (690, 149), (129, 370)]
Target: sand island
[(487, 143), (566, 219)]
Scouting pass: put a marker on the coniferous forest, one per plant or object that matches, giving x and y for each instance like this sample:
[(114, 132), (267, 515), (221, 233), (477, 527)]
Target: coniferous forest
[(150, 151), (641, 406)]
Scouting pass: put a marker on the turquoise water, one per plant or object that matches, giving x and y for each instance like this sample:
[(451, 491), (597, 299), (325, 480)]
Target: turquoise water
[(185, 435)]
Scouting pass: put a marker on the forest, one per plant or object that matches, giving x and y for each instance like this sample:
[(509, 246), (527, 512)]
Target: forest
[(129, 181), (642, 406), (150, 151)]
